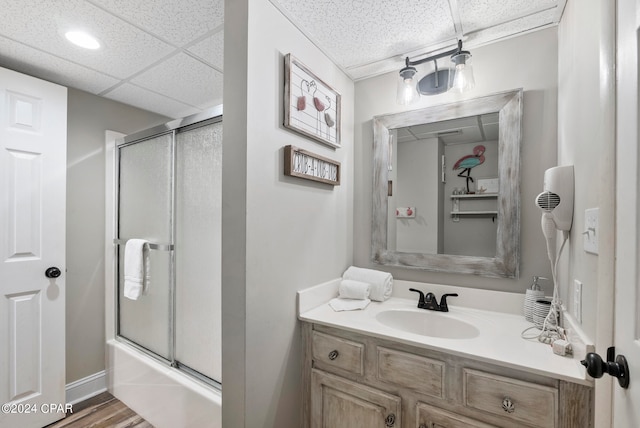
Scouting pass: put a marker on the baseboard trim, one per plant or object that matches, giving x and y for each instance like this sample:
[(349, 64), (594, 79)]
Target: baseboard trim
[(87, 387)]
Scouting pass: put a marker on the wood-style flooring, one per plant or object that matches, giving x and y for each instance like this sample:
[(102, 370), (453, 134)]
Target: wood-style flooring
[(101, 411)]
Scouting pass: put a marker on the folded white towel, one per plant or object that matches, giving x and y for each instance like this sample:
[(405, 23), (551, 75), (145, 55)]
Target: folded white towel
[(350, 289), (136, 263), (339, 304), (381, 282)]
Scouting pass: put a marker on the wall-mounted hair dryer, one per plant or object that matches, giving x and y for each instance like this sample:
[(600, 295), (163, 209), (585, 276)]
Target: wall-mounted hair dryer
[(556, 202)]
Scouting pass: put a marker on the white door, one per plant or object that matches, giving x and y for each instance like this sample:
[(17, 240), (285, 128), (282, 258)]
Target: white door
[(33, 136), (627, 294)]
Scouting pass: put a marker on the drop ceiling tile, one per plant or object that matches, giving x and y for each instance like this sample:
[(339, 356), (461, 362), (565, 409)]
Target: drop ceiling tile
[(214, 102), (33, 62), (364, 37), (210, 50), (466, 135), (362, 31), (514, 28), (491, 131), (191, 81), (490, 118), (41, 24), (176, 21), (151, 101), (479, 14), (375, 68), (403, 135), (445, 125)]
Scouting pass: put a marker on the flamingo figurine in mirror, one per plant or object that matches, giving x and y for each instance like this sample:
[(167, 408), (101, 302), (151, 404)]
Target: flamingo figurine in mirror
[(466, 163)]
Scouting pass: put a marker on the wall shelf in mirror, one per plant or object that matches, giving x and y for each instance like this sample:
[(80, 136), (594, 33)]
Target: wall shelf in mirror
[(456, 211), (475, 196), (495, 122), (476, 212)]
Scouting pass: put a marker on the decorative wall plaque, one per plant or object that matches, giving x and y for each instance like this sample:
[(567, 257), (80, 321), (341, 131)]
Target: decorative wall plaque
[(311, 107), (304, 164)]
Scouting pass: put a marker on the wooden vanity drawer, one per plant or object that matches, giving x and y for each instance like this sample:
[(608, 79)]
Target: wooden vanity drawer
[(432, 417), (522, 402), (420, 374), (337, 352)]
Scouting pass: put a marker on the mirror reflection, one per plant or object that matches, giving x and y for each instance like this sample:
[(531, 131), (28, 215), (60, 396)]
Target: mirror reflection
[(445, 187)]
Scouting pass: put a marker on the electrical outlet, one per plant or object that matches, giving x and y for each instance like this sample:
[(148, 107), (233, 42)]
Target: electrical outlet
[(591, 230), (577, 300)]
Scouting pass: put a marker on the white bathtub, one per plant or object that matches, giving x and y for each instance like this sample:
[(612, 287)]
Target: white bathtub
[(162, 395)]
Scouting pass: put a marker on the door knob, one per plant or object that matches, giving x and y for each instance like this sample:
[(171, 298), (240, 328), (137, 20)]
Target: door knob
[(52, 272), (617, 368)]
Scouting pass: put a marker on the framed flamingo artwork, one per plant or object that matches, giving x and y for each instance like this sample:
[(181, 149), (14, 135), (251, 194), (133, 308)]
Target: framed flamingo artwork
[(311, 107)]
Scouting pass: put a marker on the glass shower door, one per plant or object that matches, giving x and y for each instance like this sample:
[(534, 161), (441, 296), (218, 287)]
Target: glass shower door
[(169, 193), (145, 209), (198, 249)]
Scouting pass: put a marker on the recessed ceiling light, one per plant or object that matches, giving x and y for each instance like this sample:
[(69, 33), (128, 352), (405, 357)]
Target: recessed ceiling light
[(82, 39)]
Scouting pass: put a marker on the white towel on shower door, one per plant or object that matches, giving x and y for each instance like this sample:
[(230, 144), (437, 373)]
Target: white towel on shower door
[(136, 264)]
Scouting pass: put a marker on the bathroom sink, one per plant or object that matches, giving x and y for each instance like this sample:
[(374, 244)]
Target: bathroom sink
[(427, 323)]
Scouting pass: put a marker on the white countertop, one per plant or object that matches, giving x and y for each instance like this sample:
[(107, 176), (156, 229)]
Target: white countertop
[(499, 340)]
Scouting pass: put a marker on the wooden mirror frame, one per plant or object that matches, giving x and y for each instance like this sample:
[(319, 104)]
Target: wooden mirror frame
[(506, 262)]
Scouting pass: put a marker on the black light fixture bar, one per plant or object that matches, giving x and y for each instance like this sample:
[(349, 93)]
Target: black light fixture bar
[(451, 52), (459, 78)]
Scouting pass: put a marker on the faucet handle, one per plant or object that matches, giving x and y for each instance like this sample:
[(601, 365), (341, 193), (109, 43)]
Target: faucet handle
[(443, 301), (420, 299)]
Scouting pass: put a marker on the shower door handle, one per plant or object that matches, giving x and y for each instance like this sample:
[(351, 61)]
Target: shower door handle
[(52, 272)]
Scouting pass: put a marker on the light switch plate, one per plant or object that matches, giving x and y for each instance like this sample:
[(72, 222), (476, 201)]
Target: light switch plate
[(591, 230)]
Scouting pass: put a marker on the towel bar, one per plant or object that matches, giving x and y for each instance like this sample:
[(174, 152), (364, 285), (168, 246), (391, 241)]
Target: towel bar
[(152, 245)]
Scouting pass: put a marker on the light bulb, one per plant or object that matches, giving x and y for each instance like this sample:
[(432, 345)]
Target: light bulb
[(463, 73), (407, 92), (463, 78)]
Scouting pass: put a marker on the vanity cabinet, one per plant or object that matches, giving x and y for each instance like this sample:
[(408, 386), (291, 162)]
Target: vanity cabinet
[(355, 380), (341, 403)]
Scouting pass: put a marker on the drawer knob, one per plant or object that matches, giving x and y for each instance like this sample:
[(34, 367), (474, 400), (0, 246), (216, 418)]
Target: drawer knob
[(333, 355), (507, 405), (390, 420)]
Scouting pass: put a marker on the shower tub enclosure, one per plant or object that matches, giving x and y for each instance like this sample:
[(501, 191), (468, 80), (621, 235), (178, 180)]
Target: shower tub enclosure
[(164, 349)]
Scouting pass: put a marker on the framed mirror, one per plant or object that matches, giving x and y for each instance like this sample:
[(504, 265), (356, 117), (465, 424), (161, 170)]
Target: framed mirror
[(434, 210)]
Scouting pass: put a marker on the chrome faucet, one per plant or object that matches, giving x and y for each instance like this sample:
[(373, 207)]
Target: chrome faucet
[(430, 303)]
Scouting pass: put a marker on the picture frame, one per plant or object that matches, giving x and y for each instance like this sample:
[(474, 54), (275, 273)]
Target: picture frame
[(488, 185), (310, 166), (311, 107)]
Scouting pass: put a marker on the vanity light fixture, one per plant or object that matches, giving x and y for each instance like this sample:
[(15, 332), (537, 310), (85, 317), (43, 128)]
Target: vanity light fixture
[(82, 39), (459, 78)]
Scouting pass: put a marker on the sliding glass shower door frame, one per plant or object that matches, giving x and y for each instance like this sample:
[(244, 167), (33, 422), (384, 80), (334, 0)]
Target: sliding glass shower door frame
[(171, 128)]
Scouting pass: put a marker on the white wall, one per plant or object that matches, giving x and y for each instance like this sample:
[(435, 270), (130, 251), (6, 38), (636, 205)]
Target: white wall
[(89, 116), (528, 62), (280, 234), (586, 112), (586, 139), (417, 185)]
